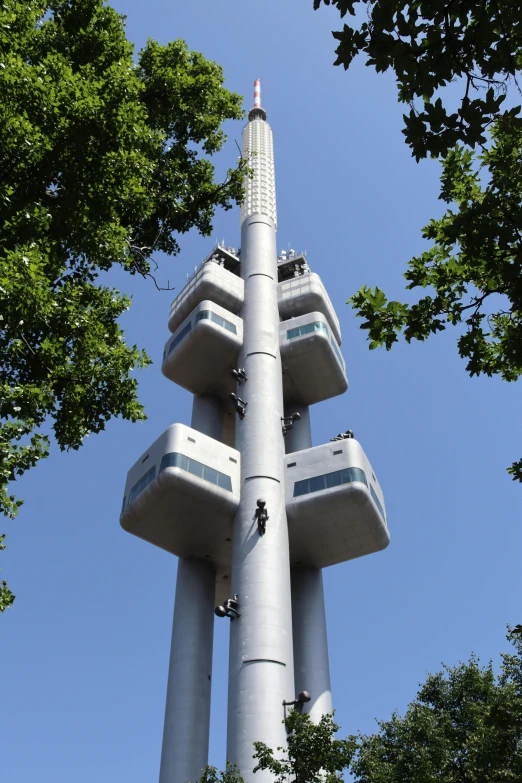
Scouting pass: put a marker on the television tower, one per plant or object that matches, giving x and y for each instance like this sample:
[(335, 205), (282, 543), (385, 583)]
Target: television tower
[(253, 511)]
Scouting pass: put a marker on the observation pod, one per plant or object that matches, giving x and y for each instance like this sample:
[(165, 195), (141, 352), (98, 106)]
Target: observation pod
[(306, 294), (202, 350), (217, 280), (334, 504), (313, 366), (182, 495)]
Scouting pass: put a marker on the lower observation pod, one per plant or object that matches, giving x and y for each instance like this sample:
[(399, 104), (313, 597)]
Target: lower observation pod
[(313, 366), (182, 495), (334, 504)]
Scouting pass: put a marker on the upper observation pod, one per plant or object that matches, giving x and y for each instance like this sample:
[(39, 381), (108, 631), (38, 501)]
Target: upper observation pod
[(258, 150), (217, 278), (301, 291)]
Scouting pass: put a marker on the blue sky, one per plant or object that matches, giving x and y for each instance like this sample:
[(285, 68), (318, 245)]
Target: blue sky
[(84, 651)]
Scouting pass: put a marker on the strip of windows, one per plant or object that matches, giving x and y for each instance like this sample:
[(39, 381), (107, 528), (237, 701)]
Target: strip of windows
[(377, 502), (175, 460), (217, 319), (140, 486), (299, 331), (337, 352), (329, 480), (179, 337)]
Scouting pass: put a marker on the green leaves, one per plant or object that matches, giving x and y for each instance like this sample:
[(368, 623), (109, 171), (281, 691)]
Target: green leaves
[(344, 6), (429, 44), (474, 267), (6, 596), (104, 161), (230, 775), (313, 754), (464, 727), (516, 470), (383, 319)]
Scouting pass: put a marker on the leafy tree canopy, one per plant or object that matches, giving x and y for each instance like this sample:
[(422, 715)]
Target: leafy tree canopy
[(230, 775), (430, 43), (313, 754), (465, 726), (103, 161), (473, 269)]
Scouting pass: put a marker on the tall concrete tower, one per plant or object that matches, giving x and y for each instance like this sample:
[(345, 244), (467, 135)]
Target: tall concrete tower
[(253, 511), (261, 656)]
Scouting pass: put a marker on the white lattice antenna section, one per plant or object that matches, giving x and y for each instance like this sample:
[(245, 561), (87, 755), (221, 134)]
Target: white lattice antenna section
[(258, 148)]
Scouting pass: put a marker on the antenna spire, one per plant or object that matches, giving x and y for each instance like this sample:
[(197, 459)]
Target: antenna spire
[(257, 112), (257, 94)]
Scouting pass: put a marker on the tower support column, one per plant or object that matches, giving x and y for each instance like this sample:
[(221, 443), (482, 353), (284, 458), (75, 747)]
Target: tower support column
[(184, 751), (207, 415), (187, 714), (311, 665), (300, 436)]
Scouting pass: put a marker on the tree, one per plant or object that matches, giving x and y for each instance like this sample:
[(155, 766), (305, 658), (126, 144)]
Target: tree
[(474, 266), (6, 596), (465, 726), (230, 775), (313, 754), (103, 161), (429, 44)]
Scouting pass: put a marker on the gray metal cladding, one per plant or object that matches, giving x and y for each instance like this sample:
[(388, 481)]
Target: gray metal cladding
[(313, 367), (200, 362), (213, 282), (306, 294), (186, 509), (335, 517)]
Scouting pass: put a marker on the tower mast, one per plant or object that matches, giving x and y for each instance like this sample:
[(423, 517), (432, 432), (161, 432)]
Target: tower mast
[(261, 656)]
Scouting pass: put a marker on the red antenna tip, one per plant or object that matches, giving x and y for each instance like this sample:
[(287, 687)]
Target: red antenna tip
[(257, 94)]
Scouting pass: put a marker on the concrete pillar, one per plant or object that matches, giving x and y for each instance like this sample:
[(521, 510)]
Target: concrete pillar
[(312, 668), (207, 415), (229, 428), (187, 714), (261, 656), (311, 665), (184, 752), (300, 436)]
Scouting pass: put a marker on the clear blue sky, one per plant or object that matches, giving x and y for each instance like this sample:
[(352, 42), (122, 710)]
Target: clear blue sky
[(84, 651)]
